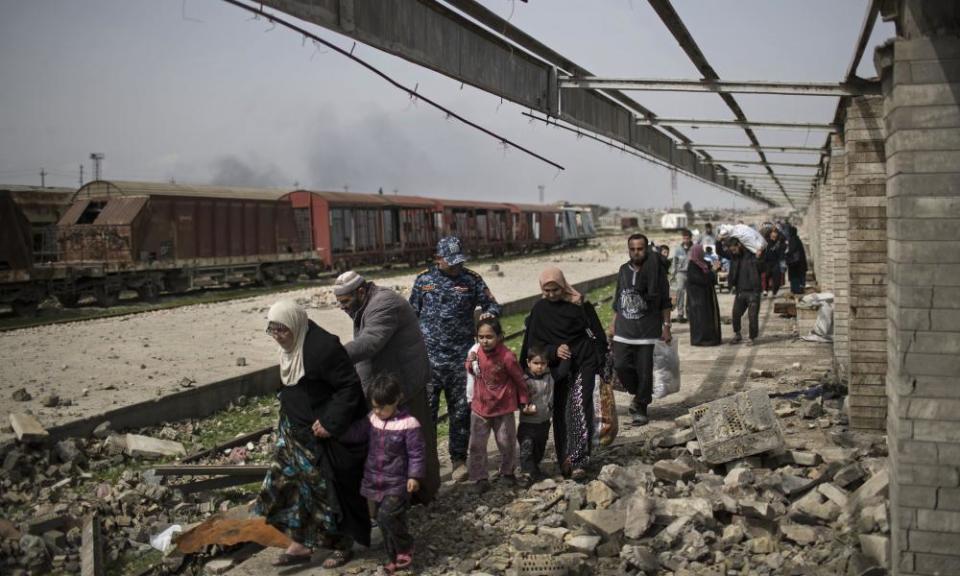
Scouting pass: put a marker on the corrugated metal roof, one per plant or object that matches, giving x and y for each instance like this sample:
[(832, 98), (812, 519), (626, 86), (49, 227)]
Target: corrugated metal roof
[(471, 204), (102, 188), (373, 199), (534, 207), (121, 211), (25, 188), (73, 213)]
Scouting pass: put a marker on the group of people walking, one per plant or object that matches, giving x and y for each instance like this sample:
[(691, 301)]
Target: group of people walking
[(357, 434)]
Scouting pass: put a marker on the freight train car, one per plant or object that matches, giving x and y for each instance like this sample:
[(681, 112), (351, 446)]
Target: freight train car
[(534, 227), (348, 229), (483, 227), (151, 237), (576, 225), (29, 215)]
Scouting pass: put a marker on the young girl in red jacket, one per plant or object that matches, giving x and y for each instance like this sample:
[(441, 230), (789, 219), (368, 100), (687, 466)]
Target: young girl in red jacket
[(499, 390)]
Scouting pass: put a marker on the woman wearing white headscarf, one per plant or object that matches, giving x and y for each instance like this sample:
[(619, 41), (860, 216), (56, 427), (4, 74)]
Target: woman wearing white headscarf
[(312, 490)]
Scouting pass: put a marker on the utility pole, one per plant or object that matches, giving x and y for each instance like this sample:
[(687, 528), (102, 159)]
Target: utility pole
[(43, 178), (97, 157), (81, 174)]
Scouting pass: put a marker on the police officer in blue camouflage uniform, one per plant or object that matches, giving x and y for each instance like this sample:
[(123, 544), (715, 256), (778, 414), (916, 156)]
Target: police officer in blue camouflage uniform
[(445, 297)]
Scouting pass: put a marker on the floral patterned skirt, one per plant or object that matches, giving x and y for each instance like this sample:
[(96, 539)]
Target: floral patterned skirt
[(295, 497)]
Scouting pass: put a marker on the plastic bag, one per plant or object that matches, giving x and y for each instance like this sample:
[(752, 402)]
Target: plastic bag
[(163, 540), (470, 379), (666, 368), (605, 421), (747, 236)]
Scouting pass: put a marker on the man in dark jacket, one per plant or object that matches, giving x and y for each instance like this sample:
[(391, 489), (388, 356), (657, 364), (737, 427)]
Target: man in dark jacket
[(641, 308), (387, 340), (744, 282)]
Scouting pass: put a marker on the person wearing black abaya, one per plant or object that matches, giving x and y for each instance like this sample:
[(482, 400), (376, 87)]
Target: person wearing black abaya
[(312, 490), (567, 327), (703, 307)]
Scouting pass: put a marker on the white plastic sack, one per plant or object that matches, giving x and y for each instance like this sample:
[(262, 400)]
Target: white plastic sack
[(162, 541), (666, 368), (476, 366), (749, 237)]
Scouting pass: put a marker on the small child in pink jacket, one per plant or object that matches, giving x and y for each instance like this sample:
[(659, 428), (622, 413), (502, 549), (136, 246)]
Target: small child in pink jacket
[(499, 390)]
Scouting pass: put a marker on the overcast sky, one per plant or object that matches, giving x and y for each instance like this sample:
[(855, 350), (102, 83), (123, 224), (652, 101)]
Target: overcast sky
[(197, 91)]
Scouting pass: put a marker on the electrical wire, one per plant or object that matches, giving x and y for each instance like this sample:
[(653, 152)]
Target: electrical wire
[(258, 11), (639, 154)]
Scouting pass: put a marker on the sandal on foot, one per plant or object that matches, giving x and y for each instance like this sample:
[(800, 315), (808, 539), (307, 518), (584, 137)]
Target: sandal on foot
[(390, 567), (404, 560), (337, 559), (292, 559)]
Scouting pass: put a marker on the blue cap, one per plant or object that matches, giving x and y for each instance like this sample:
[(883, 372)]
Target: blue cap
[(451, 251)]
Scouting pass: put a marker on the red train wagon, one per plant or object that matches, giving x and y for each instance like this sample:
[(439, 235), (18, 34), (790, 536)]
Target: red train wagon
[(483, 227), (349, 229), (151, 237), (534, 226)]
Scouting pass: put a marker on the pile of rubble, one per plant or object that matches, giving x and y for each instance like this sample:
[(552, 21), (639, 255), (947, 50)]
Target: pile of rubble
[(49, 490), (816, 509)]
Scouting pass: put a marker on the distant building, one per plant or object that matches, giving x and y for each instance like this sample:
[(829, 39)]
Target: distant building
[(673, 221)]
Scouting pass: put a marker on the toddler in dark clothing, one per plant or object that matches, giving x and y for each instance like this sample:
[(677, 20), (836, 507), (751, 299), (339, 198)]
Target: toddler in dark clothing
[(535, 417), (394, 468)]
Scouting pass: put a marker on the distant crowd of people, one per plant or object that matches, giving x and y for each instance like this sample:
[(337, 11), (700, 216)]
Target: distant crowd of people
[(357, 434)]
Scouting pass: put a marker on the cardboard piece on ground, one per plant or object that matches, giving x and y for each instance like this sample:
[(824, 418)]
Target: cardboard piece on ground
[(234, 526), (27, 429)]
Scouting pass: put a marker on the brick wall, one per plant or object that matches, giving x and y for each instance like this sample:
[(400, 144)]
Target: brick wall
[(839, 257), (867, 240), (922, 121)]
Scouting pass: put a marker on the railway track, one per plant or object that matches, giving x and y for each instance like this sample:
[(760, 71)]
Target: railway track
[(53, 313)]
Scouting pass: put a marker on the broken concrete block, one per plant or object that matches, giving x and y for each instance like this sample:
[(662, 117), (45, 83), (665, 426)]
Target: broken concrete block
[(148, 447), (558, 533), (599, 494), (848, 475), (738, 478), (693, 447), (102, 430), (737, 426), (27, 429), (607, 523), (836, 495), (836, 454), (684, 421), (874, 518), (762, 545), (877, 485), (675, 438), (642, 558), (757, 509), (672, 470), (639, 518), (733, 534), (668, 510), (798, 533), (877, 548), (801, 458), (812, 509), (793, 485), (584, 544)]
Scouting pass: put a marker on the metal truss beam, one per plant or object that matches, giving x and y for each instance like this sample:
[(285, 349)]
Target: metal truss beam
[(749, 147), (659, 121), (759, 163), (743, 87), (466, 41)]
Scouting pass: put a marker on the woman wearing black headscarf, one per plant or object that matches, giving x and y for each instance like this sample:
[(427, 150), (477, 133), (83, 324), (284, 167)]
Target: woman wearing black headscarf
[(567, 327), (312, 489)]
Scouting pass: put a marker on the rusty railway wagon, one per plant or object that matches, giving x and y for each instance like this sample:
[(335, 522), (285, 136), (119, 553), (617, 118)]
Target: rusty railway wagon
[(114, 236), (172, 237), (28, 242)]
